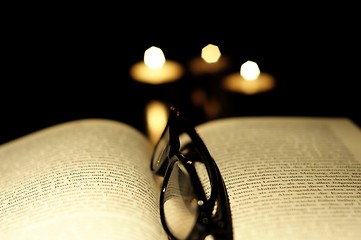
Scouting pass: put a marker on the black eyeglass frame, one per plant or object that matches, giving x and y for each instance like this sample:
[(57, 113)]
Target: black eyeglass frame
[(219, 225)]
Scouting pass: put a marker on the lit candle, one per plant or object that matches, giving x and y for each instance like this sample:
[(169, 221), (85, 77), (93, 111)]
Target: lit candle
[(156, 119), (210, 61), (250, 80), (155, 69)]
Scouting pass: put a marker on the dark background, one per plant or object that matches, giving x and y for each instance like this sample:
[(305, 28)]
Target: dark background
[(61, 63)]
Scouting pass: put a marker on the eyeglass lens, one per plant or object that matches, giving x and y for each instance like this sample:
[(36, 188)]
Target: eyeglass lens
[(180, 202), (180, 199)]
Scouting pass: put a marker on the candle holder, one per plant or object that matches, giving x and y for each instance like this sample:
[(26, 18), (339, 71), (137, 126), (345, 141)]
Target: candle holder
[(156, 79), (207, 71), (248, 90), (155, 69), (236, 83), (250, 80)]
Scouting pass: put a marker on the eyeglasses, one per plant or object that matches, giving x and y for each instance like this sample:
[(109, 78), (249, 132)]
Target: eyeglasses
[(193, 202)]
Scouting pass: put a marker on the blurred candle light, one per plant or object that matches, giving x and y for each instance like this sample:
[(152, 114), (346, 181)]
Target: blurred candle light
[(249, 80), (210, 61), (156, 119), (210, 53), (155, 68)]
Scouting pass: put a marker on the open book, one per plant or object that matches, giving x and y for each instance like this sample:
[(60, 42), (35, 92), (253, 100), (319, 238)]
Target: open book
[(287, 178)]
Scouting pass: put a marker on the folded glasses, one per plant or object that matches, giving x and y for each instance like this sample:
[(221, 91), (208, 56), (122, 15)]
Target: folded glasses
[(193, 202)]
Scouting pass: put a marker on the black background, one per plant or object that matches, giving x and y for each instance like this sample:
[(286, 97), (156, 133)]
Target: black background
[(62, 63)]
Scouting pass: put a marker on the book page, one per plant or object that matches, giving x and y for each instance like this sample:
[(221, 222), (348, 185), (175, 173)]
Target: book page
[(86, 179), (289, 178)]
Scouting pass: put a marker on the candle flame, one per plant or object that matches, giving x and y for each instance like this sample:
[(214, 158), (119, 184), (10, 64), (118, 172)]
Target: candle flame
[(210, 53), (250, 70), (154, 57)]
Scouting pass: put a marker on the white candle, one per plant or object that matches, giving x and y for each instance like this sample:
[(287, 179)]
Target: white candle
[(250, 80), (155, 69)]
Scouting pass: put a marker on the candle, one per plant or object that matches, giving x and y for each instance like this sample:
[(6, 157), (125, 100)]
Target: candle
[(207, 69), (250, 80), (210, 61), (156, 119), (155, 69)]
